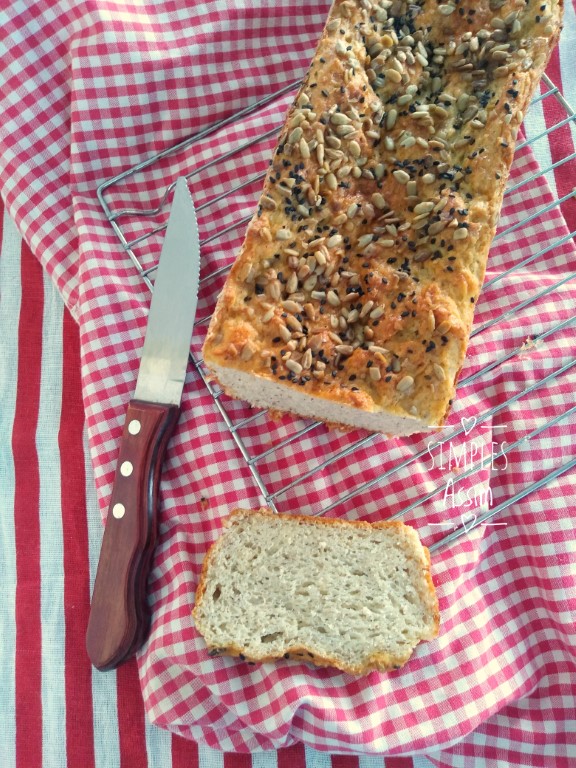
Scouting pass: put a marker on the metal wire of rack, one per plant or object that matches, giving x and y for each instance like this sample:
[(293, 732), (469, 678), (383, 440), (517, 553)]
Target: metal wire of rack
[(259, 443)]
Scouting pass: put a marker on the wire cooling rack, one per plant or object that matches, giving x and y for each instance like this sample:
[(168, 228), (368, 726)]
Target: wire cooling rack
[(287, 472)]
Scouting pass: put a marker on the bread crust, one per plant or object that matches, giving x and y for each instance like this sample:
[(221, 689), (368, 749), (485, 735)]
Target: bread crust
[(380, 661), (359, 273)]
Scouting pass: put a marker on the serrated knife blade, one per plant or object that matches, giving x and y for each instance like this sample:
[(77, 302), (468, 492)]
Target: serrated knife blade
[(119, 616)]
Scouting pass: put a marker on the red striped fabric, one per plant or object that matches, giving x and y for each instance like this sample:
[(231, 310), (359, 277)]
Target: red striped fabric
[(350, 761), (130, 716), (26, 520), (292, 756), (78, 673), (184, 753)]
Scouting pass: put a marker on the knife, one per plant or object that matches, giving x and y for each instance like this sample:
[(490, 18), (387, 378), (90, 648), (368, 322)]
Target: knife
[(119, 616)]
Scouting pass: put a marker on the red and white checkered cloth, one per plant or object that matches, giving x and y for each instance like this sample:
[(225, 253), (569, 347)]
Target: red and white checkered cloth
[(91, 88)]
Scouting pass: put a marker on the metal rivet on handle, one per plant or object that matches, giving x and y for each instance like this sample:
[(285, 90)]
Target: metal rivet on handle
[(118, 510), (126, 468), (134, 427)]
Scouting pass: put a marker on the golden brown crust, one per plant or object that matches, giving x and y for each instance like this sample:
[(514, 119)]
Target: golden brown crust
[(381, 661), (358, 276)]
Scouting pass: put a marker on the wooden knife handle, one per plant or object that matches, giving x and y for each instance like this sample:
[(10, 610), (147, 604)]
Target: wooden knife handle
[(119, 615)]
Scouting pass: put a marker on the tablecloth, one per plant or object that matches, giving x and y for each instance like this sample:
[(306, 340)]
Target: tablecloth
[(50, 540)]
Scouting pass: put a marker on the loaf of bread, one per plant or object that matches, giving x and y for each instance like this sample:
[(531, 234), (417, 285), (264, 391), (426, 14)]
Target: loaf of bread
[(330, 592), (352, 298)]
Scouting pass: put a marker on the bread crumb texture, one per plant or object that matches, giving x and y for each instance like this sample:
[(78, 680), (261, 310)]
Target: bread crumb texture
[(352, 298), (352, 595)]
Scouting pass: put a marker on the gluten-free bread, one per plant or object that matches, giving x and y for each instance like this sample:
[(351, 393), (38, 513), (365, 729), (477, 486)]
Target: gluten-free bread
[(352, 595), (352, 298)]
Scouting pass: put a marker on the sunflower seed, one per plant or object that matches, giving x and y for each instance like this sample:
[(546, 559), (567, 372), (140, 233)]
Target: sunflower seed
[(344, 171), (353, 316), (292, 283), (374, 374), (352, 210), (460, 234), (339, 118), (501, 71), (274, 290), (283, 234), (284, 333), (345, 130), (333, 298), (334, 241), (425, 207), (344, 349), (341, 48), (331, 181), (378, 200), (307, 359), (440, 111), (405, 384), (393, 75), (268, 203), (303, 210), (436, 227), (291, 306), (354, 149), (366, 308), (293, 366), (462, 102), (391, 119), (247, 351), (310, 283), (375, 349), (295, 135), (310, 311), (293, 323), (408, 141), (364, 240), (401, 176), (439, 372)]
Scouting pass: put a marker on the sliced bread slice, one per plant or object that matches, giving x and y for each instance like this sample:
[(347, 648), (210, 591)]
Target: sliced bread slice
[(351, 595)]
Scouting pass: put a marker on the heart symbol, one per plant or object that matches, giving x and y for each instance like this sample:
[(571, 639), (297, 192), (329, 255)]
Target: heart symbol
[(468, 521), (468, 424)]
